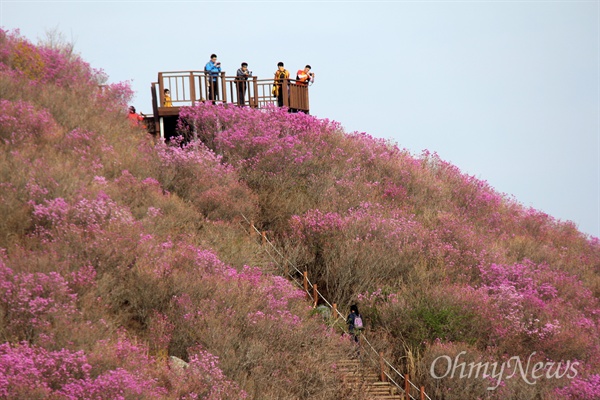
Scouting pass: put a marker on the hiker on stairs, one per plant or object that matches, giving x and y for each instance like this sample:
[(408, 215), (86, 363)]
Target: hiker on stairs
[(354, 321)]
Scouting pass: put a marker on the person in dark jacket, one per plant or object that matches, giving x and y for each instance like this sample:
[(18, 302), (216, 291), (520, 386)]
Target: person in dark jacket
[(241, 78), (351, 321)]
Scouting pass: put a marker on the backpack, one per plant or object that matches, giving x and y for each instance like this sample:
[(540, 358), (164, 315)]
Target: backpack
[(358, 323)]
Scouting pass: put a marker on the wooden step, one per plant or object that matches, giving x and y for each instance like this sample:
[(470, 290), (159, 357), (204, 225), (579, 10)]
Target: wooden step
[(365, 380)]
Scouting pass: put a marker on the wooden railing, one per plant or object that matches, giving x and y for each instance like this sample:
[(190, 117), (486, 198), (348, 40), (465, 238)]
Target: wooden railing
[(386, 370), (190, 87)]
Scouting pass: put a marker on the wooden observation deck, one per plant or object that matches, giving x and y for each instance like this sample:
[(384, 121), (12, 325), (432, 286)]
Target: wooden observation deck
[(190, 87)]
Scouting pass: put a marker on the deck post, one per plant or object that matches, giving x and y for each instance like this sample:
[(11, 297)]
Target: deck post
[(204, 79), (406, 386), (192, 88), (285, 87), (254, 100), (155, 109), (161, 90), (223, 88), (422, 392), (381, 367), (305, 97), (305, 283), (315, 295), (334, 311)]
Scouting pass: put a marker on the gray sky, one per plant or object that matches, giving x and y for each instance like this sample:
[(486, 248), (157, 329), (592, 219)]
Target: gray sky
[(508, 91)]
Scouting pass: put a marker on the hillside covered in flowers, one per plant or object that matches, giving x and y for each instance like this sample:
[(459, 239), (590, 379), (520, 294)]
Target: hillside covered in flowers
[(120, 253)]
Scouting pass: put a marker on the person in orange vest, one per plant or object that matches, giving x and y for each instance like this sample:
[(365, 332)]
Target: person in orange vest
[(278, 89), (133, 117), (304, 76), (167, 102)]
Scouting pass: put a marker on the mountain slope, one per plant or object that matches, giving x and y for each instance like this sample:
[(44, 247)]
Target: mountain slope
[(119, 251)]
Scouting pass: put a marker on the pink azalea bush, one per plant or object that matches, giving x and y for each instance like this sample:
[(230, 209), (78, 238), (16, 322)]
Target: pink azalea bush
[(35, 373), (43, 64), (203, 379), (581, 389), (40, 69), (31, 303), (20, 121), (196, 174)]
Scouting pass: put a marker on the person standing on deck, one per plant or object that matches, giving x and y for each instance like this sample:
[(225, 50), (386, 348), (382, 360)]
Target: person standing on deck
[(304, 76), (241, 82), (167, 102), (213, 68), (278, 89)]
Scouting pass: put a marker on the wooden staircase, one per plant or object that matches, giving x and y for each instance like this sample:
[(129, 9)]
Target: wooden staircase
[(362, 378), (358, 374)]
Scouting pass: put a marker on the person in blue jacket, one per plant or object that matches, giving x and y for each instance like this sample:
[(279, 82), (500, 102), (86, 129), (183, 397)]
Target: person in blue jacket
[(213, 68)]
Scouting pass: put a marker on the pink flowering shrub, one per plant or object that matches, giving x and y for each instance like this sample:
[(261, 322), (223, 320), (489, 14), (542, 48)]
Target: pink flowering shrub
[(116, 384), (32, 304), (145, 198), (271, 149), (198, 175), (415, 316), (249, 137), (87, 148), (115, 96), (21, 121), (87, 216), (534, 306), (203, 379), (176, 295), (35, 373), (54, 78), (581, 389), (389, 241), (249, 305), (43, 65), (16, 216)]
